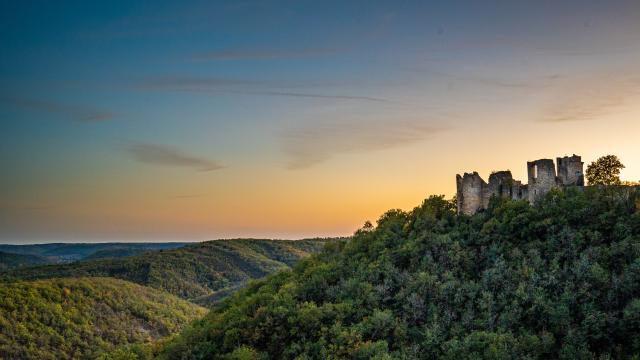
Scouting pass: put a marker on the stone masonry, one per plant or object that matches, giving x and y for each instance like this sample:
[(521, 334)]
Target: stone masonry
[(473, 193)]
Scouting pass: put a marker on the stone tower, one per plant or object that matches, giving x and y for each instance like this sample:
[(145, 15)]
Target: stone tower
[(470, 192), (542, 178), (570, 170)]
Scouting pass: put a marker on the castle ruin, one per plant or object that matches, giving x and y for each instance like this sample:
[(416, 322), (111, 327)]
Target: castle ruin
[(473, 193)]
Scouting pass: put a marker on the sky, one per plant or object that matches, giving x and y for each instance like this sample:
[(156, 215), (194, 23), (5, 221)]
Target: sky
[(197, 120)]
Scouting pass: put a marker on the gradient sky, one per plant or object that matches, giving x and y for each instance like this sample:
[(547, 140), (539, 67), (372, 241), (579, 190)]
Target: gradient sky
[(181, 120)]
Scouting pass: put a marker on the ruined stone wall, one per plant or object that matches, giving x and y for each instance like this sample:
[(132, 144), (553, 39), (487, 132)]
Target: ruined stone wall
[(519, 191), (570, 170), (542, 178), (470, 192), (473, 193), (500, 184)]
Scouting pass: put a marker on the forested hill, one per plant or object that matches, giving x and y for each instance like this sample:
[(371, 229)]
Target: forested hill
[(12, 261), (194, 271), (557, 280), (82, 317), (66, 252)]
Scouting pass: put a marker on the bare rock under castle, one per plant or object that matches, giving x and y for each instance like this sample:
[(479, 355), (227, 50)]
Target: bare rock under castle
[(473, 193)]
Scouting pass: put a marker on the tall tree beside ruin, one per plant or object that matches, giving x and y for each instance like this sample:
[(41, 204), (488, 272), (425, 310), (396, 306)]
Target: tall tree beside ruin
[(605, 171)]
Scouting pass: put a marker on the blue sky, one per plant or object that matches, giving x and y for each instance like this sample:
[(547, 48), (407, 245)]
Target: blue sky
[(127, 121)]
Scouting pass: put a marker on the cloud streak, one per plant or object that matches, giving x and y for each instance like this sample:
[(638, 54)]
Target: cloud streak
[(309, 146), (191, 83), (532, 83), (74, 113), (188, 196), (591, 98), (240, 87), (163, 155), (317, 96), (266, 54)]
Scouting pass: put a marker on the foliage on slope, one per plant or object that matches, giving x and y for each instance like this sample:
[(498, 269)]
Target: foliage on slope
[(10, 261), (67, 252), (82, 317), (557, 280), (192, 271), (114, 253)]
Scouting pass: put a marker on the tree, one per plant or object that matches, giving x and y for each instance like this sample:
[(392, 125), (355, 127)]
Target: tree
[(605, 171), (558, 280)]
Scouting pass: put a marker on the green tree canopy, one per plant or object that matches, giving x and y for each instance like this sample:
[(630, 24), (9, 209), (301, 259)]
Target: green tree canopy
[(556, 280), (605, 171)]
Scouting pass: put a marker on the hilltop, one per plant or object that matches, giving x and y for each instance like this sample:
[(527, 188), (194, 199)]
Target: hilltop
[(558, 279)]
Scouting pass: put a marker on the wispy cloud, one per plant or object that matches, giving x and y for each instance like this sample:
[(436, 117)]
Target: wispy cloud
[(168, 156), (566, 97), (317, 96), (308, 146), (191, 83), (242, 87), (592, 98), (498, 81), (534, 83), (263, 54), (188, 196), (26, 207), (74, 113)]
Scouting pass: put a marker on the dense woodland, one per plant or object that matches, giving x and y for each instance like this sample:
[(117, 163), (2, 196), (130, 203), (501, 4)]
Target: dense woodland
[(195, 271), (557, 280), (83, 317), (560, 279), (87, 310)]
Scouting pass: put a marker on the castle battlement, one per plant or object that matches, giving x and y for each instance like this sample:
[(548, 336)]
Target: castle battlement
[(473, 193)]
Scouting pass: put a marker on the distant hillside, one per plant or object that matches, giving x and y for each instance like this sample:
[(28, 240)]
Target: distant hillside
[(193, 271), (557, 280), (82, 317), (115, 252), (66, 252), (10, 261)]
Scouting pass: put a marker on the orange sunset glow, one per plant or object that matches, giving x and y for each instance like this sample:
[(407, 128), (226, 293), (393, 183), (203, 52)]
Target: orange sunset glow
[(117, 129)]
